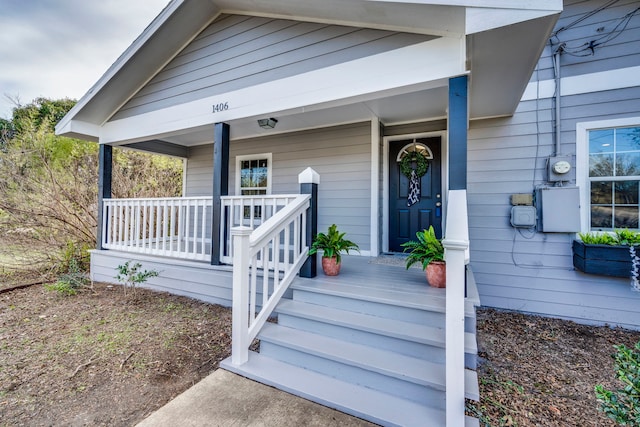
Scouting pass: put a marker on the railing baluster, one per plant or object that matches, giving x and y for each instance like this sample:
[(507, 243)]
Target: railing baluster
[(156, 208), (127, 215), (203, 230)]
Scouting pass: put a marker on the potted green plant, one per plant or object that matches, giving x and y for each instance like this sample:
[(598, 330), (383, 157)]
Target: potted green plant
[(332, 245), (428, 251)]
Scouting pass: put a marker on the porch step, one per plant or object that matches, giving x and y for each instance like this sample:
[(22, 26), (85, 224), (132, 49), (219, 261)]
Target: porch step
[(372, 405), (404, 376), (407, 338)]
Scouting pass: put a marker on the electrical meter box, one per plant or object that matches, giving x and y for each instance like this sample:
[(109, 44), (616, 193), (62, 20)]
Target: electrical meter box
[(558, 209)]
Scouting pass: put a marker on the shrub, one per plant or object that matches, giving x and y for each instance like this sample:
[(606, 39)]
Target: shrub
[(71, 282), (623, 405), (621, 236), (131, 275)]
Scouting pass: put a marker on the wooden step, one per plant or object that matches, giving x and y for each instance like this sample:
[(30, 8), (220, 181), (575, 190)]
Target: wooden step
[(406, 338), (408, 377), (372, 405)]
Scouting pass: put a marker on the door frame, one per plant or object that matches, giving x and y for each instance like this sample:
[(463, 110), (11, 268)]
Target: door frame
[(444, 154)]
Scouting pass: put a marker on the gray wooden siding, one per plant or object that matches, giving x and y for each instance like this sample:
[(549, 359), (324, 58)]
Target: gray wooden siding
[(237, 51), (533, 272), (193, 279), (623, 50), (430, 126), (199, 172), (341, 155)]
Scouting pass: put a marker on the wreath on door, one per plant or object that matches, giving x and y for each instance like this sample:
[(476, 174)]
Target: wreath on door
[(406, 164)]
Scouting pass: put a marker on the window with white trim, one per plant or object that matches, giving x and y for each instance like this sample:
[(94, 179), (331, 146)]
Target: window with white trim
[(253, 174), (613, 177), (253, 178)]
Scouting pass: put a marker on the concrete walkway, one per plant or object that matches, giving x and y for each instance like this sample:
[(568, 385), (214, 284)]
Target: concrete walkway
[(226, 399)]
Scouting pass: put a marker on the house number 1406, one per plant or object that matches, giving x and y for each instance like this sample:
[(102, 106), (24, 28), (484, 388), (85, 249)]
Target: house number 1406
[(223, 106)]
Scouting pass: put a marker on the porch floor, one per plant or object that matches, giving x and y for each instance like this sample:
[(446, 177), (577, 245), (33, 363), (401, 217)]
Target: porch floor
[(385, 280)]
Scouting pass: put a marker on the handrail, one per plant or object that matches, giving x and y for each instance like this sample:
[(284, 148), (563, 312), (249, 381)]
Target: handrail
[(275, 251), (456, 244)]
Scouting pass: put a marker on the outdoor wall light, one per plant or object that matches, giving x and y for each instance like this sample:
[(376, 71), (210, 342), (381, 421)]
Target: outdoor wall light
[(269, 123)]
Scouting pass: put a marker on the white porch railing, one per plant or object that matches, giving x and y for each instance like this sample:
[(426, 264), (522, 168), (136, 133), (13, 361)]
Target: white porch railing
[(172, 227), (456, 244), (246, 211), (266, 260)]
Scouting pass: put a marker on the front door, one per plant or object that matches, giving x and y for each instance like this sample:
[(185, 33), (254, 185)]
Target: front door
[(406, 217)]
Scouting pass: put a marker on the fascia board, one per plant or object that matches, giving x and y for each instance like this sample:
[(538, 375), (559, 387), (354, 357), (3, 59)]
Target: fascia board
[(483, 19), (501, 4), (79, 130), (431, 62)]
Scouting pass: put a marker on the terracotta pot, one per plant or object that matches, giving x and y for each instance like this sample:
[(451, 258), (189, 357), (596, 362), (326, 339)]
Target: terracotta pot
[(330, 266), (437, 274)]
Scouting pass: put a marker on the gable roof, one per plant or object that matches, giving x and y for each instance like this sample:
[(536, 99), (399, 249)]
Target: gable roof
[(500, 34)]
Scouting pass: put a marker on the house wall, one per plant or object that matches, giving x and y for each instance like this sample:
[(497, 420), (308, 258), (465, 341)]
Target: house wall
[(197, 280), (238, 51), (204, 282), (341, 155), (532, 271)]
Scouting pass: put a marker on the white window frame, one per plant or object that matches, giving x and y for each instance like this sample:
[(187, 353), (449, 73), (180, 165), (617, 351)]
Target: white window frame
[(582, 161), (242, 158)]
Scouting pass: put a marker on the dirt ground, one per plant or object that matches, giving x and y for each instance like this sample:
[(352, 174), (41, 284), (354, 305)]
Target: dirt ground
[(100, 358)]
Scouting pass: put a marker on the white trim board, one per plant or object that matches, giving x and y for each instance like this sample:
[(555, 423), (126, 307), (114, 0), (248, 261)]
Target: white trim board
[(582, 159), (444, 170), (375, 187), (584, 83)]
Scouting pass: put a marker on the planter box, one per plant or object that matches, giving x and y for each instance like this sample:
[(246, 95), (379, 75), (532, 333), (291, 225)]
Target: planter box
[(606, 260)]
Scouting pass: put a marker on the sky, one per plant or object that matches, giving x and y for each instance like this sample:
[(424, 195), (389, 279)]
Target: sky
[(60, 48)]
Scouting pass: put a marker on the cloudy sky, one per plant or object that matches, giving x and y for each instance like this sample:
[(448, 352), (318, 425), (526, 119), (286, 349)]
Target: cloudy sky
[(60, 48)]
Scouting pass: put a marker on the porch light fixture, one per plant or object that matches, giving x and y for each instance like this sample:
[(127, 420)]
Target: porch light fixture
[(269, 123)]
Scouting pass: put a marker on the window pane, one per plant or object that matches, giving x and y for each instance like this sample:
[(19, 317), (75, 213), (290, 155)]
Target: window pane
[(626, 193), (626, 217), (260, 173), (245, 178), (628, 164), (628, 139), (252, 192), (601, 193), (601, 165), (601, 141), (601, 216)]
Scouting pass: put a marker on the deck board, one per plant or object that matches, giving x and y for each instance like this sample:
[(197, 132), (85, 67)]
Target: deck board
[(384, 282)]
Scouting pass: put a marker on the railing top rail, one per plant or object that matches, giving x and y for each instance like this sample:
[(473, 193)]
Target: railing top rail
[(155, 199), (272, 224), (261, 196)]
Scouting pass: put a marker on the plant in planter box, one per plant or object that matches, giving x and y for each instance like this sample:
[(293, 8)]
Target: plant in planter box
[(610, 254), (332, 243), (429, 252)]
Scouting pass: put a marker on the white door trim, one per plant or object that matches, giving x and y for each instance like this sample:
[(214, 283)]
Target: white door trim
[(444, 155)]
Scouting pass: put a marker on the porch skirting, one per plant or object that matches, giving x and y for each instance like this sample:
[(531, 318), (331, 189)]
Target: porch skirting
[(199, 280)]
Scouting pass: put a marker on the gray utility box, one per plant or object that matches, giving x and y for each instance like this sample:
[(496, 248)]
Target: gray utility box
[(558, 209)]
